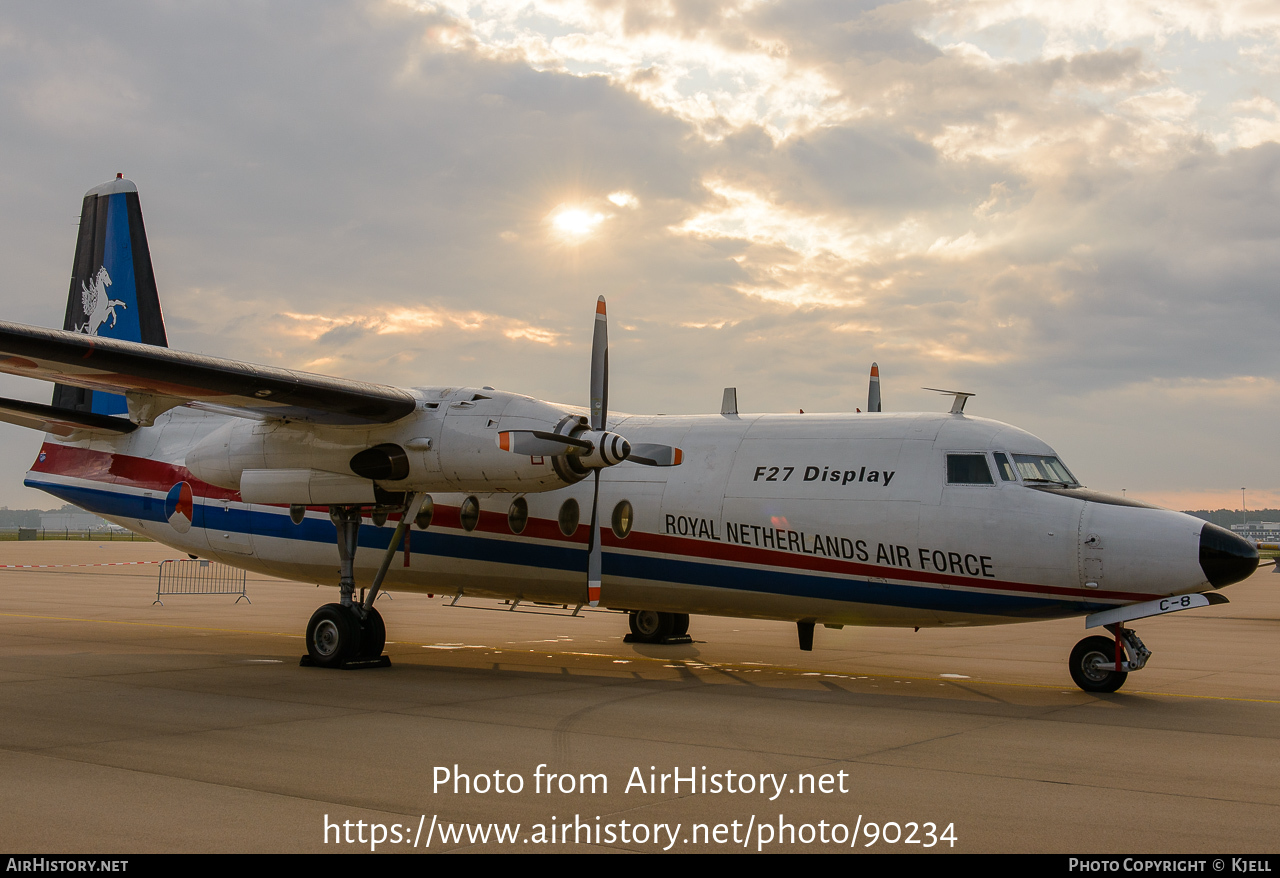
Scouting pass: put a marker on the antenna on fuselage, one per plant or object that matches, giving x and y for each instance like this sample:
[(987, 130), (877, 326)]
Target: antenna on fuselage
[(961, 397), (873, 389), (729, 403)]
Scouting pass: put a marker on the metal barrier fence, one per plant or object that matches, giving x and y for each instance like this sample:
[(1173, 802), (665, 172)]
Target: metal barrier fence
[(102, 535), (199, 577)]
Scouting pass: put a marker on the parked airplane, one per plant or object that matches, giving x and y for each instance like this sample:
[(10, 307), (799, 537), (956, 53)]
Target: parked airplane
[(920, 519)]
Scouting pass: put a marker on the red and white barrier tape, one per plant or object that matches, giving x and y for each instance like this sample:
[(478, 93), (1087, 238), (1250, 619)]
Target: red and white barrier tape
[(104, 564)]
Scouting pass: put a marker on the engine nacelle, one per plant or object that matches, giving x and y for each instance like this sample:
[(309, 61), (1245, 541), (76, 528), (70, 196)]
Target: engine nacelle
[(447, 445)]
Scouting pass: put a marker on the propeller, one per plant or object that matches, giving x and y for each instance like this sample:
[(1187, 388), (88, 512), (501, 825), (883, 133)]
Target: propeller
[(873, 389), (592, 446), (599, 414)]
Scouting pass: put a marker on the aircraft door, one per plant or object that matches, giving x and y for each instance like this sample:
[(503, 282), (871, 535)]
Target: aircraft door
[(1092, 551), (228, 526)]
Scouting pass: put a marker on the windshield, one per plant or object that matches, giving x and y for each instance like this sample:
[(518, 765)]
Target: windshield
[(1043, 468)]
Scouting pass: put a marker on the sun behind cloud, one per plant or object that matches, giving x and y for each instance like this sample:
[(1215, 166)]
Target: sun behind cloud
[(575, 224)]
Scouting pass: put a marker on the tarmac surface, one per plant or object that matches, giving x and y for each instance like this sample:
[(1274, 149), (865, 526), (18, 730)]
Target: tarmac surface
[(190, 727)]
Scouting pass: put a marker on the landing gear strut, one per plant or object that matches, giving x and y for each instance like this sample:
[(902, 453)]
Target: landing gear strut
[(351, 633), (1102, 664)]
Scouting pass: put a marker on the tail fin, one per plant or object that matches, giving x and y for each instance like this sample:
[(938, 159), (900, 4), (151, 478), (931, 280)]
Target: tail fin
[(113, 289), (873, 389)]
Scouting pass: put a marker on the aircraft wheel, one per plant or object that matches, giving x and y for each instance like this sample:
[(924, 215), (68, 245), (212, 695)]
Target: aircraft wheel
[(649, 626), (373, 635), (333, 636), (1092, 679), (680, 625)]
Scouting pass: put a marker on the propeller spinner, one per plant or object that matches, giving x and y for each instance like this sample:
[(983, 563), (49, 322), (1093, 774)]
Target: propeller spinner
[(594, 448)]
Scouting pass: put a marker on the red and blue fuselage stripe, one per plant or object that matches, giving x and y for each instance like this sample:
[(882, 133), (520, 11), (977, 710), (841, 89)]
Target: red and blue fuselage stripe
[(643, 556)]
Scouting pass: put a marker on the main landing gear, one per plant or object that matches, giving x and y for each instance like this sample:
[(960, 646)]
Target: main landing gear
[(649, 626), (351, 633), (1102, 664), (337, 636)]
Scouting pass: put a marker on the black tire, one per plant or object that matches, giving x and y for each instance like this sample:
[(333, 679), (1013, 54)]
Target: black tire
[(1092, 679), (649, 626), (680, 625), (333, 636), (373, 635)]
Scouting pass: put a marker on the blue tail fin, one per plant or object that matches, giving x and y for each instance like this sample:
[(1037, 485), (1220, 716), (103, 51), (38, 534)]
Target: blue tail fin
[(113, 290)]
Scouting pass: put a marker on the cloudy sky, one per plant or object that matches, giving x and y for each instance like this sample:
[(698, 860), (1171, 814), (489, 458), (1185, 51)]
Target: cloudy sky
[(1071, 210)]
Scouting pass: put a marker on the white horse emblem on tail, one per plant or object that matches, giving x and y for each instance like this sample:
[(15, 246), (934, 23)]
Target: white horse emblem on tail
[(98, 306)]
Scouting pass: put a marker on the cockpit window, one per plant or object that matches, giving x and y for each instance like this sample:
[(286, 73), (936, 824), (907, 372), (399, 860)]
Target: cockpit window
[(1043, 468), (968, 469), (1004, 467)]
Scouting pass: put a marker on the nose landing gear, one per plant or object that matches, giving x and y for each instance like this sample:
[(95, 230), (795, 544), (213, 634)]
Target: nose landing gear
[(1101, 664)]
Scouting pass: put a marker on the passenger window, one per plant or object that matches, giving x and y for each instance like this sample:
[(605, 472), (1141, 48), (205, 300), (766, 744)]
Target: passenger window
[(1005, 468), (569, 517), (968, 469), (622, 515), (518, 515), (469, 514)]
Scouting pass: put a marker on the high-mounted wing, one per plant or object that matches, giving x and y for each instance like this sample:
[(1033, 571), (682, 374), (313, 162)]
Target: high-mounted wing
[(158, 378)]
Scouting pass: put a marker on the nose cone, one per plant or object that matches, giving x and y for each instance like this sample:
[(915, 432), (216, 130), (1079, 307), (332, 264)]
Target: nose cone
[(1224, 557)]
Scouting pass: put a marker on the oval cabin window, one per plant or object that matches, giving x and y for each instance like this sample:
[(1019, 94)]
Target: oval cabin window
[(470, 513), (622, 518), (518, 515), (569, 517)]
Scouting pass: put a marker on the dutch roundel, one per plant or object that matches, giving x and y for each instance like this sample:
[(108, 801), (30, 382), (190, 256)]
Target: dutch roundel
[(178, 507)]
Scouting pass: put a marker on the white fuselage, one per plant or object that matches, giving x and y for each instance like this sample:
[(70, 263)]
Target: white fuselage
[(835, 519)]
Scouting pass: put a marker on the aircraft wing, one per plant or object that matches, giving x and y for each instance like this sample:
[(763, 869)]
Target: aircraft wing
[(168, 378)]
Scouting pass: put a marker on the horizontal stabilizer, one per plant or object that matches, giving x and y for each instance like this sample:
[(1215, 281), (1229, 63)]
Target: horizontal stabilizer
[(125, 367), (59, 421)]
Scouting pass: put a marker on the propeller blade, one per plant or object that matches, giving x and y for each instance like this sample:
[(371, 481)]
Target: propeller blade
[(600, 369), (593, 550), (873, 389), (651, 454), (599, 415), (541, 443)]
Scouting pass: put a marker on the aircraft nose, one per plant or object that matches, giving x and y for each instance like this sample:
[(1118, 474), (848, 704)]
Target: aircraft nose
[(1225, 557)]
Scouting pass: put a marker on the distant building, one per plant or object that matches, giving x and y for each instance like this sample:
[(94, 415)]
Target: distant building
[(1259, 531)]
